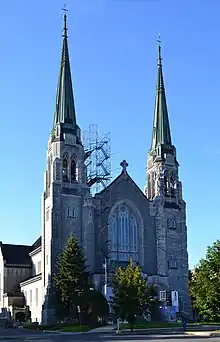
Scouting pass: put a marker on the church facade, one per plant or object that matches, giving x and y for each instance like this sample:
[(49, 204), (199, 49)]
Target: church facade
[(119, 223)]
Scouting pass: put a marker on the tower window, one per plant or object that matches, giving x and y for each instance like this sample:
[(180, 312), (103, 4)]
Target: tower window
[(166, 185), (172, 263), (57, 131), (171, 223), (172, 186), (73, 170), (65, 169), (73, 212)]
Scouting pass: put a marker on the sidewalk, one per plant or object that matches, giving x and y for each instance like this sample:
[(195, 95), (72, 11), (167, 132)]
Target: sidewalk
[(203, 333), (205, 330), (106, 329)]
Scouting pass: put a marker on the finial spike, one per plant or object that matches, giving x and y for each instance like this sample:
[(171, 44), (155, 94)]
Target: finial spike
[(159, 38), (65, 24), (159, 50)]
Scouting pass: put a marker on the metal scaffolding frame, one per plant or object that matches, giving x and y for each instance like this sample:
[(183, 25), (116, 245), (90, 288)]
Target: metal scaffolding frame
[(97, 158)]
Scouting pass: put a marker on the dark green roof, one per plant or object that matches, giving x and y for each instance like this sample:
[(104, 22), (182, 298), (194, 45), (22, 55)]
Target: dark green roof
[(65, 108), (161, 127)]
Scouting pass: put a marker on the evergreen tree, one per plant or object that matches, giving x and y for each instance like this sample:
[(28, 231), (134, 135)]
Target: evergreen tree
[(71, 281), (204, 283), (130, 293)]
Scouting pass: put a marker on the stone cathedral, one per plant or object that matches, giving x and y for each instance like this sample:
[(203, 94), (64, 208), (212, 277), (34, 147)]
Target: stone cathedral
[(119, 223)]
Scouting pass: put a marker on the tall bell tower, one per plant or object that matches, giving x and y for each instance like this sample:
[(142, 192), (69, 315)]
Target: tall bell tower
[(66, 201), (164, 190)]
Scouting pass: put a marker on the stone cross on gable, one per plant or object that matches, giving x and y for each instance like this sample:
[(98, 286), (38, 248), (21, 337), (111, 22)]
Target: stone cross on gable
[(124, 165)]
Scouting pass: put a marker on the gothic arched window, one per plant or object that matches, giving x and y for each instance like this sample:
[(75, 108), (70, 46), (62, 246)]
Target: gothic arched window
[(73, 212), (123, 234), (172, 185), (123, 229), (65, 169), (73, 170), (166, 184)]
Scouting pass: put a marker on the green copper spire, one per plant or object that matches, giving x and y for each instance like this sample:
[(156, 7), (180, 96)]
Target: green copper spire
[(65, 109), (161, 128)]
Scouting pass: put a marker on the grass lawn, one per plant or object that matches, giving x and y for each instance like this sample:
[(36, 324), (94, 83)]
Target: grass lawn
[(59, 327), (163, 325), (70, 328), (151, 325)]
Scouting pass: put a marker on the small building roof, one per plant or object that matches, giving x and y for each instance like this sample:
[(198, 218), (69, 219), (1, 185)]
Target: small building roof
[(16, 254), (36, 244)]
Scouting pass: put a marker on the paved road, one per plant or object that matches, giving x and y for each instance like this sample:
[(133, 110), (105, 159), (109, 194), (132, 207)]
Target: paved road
[(22, 335)]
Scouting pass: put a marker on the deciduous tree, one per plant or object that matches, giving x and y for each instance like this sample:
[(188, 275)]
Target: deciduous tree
[(204, 284), (130, 293)]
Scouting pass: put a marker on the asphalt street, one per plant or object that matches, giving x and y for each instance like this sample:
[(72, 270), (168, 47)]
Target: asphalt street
[(22, 335)]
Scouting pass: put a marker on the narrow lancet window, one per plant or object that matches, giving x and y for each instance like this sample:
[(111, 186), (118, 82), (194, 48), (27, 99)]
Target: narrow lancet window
[(73, 170), (73, 212), (65, 169), (166, 185), (172, 186)]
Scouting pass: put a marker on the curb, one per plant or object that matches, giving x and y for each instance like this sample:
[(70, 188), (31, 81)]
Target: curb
[(150, 331), (52, 333), (169, 332), (203, 333)]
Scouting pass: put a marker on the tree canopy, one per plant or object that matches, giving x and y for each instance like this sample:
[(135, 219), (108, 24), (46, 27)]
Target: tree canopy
[(204, 283), (130, 293)]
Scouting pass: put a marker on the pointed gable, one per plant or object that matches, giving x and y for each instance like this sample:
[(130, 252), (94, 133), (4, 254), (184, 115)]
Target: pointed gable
[(124, 192), (124, 180)]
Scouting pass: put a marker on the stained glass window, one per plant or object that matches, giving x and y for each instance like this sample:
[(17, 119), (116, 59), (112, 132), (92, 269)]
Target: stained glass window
[(123, 234)]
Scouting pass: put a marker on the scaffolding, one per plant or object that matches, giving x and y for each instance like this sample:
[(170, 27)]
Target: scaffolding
[(97, 158)]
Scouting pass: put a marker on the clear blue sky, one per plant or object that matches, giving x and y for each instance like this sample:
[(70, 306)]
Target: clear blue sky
[(113, 55)]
